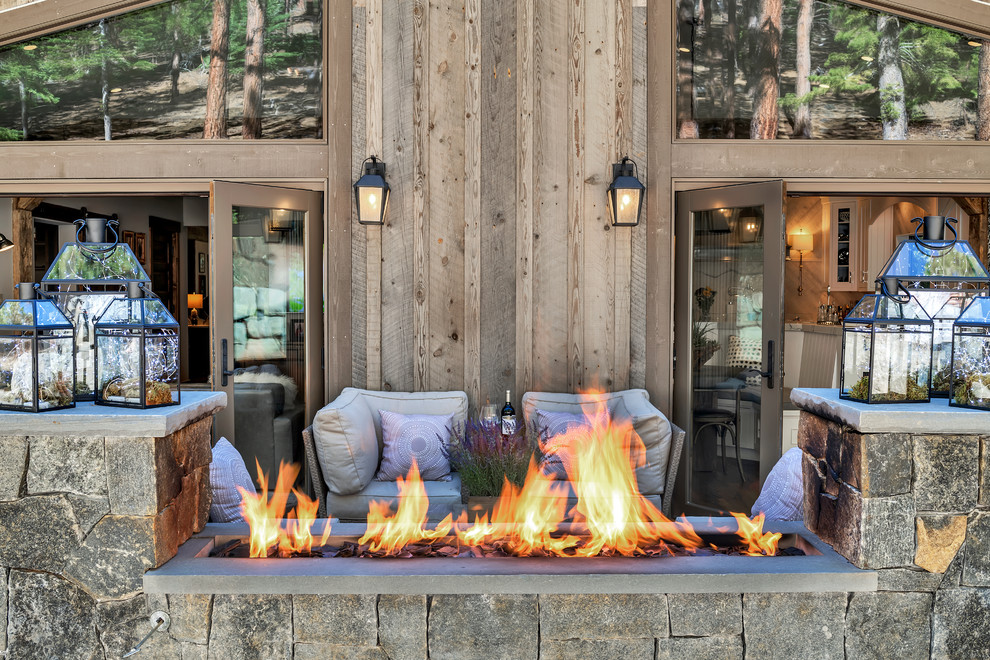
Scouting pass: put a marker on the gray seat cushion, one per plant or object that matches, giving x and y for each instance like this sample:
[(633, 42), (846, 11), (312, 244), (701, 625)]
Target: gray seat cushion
[(444, 496)]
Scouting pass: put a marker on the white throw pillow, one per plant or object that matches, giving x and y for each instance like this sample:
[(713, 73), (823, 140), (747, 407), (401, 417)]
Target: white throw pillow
[(227, 472), (421, 437), (782, 497)]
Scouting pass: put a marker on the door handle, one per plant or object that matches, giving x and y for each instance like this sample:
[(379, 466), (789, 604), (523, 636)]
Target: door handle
[(224, 372), (768, 374)]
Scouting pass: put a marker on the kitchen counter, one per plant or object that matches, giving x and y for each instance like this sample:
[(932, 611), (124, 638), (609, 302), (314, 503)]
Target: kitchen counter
[(804, 326)]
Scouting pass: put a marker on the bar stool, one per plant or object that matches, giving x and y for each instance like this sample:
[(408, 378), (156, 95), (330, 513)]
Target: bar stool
[(723, 421)]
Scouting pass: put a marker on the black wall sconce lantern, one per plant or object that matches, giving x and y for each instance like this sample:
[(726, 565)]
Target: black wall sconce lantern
[(371, 193), (625, 194)]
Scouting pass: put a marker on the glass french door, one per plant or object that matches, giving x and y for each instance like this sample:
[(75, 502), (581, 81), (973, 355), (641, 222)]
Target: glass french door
[(728, 375), (266, 318)]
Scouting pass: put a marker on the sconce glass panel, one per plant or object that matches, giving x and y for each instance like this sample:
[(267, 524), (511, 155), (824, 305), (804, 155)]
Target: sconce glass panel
[(36, 357), (886, 352), (137, 355), (970, 384)]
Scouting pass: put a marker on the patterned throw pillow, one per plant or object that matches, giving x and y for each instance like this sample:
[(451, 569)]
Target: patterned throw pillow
[(782, 497), (557, 431), (227, 472), (746, 354), (423, 437)]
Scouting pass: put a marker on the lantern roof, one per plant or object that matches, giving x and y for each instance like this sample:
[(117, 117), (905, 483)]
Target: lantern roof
[(136, 313), (878, 308), (935, 261), (32, 314), (95, 263), (976, 313)]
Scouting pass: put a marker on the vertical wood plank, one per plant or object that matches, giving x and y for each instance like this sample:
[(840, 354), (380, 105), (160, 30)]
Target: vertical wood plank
[(446, 193), (623, 235), (638, 126), (498, 207), (575, 195), (337, 202), (472, 203), (660, 234), (398, 344), (359, 244), (598, 272), (373, 40), (551, 101), (421, 200), (523, 76), (22, 235)]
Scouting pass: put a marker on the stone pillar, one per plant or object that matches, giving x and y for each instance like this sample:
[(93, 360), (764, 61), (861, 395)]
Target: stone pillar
[(86, 512), (904, 489)]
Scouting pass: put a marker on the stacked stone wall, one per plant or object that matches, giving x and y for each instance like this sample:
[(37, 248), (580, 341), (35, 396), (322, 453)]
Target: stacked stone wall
[(915, 507), (81, 520)]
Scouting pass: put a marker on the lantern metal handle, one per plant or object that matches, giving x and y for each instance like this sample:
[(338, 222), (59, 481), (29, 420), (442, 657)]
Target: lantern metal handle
[(898, 287), (947, 222), (112, 224)]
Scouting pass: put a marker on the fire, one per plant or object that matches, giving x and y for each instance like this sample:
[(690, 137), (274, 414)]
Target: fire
[(610, 517), (759, 542), (264, 516)]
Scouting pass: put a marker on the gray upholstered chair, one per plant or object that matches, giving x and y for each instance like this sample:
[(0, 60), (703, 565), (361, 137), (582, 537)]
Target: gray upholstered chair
[(662, 440), (343, 450)]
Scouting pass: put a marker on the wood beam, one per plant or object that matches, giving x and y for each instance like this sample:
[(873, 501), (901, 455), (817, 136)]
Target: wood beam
[(971, 205), (22, 234)]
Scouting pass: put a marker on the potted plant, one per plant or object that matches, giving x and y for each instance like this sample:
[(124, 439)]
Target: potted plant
[(703, 347), (485, 458)]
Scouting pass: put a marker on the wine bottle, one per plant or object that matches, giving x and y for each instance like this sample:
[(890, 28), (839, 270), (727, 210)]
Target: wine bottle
[(508, 416)]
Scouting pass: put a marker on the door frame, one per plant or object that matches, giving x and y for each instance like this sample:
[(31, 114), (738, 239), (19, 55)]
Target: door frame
[(223, 196), (772, 196)]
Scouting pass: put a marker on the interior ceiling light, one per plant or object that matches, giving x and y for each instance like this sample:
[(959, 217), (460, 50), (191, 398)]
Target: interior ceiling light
[(115, 90), (30, 47), (866, 58), (682, 49), (974, 44)]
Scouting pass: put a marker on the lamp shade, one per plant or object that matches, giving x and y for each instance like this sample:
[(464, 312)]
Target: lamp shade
[(371, 193), (802, 242), (5, 243), (194, 301)]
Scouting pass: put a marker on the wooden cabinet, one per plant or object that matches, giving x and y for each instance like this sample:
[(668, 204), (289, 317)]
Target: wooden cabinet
[(844, 255)]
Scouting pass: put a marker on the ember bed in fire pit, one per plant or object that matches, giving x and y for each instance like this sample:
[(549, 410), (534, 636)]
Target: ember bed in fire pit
[(193, 571)]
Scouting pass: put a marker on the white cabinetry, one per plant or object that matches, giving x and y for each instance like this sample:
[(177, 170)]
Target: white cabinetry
[(844, 256)]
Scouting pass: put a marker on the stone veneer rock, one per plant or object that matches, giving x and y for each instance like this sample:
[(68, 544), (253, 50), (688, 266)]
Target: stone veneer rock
[(83, 516)]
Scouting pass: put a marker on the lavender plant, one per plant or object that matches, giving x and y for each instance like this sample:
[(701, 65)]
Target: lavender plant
[(485, 458)]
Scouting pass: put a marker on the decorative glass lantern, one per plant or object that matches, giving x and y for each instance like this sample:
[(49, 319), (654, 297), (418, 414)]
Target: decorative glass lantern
[(886, 351), (625, 195), (970, 384), (371, 193), (36, 354), (942, 322), (137, 352), (83, 279)]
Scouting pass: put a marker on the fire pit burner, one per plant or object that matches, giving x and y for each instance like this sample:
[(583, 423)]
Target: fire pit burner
[(194, 571)]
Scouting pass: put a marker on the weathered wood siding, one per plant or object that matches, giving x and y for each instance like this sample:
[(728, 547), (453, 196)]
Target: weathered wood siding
[(497, 268)]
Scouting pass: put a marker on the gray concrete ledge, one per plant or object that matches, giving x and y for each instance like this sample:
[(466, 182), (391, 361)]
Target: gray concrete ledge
[(192, 572), (88, 419), (916, 418)]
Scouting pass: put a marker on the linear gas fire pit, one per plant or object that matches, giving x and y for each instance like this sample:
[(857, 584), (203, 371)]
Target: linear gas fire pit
[(193, 570)]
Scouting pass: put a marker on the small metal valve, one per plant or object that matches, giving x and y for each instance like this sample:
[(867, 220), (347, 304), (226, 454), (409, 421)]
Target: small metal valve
[(159, 621)]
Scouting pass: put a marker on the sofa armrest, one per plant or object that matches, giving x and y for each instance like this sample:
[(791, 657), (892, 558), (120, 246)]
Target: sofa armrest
[(673, 462), (313, 471)]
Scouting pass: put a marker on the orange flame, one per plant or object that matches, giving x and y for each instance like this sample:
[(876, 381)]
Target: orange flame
[(759, 543), (609, 517), (389, 533), (264, 516)]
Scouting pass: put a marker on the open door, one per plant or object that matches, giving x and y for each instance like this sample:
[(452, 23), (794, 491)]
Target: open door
[(728, 371), (266, 317)]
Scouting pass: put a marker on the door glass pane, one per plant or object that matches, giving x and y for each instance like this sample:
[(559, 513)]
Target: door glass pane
[(824, 70), (146, 74), (268, 335), (727, 357)]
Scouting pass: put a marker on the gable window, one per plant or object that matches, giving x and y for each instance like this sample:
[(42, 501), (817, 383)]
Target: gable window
[(182, 69), (824, 70)]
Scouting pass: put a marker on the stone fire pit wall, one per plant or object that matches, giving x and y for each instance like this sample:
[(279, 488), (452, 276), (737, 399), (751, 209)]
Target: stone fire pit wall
[(91, 498), (905, 489)]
